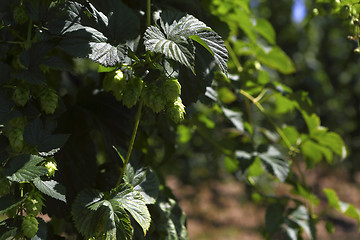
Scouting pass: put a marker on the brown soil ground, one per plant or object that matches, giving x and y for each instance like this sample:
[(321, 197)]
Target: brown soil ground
[(221, 210)]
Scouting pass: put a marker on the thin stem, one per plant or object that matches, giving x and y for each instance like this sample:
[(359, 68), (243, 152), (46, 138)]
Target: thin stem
[(261, 108), (148, 14), (133, 136), (234, 57), (28, 39)]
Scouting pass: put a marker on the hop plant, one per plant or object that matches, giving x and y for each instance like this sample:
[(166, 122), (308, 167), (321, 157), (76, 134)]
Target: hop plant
[(21, 96), (171, 89), (176, 110), (48, 100), (20, 14), (33, 203), (29, 226)]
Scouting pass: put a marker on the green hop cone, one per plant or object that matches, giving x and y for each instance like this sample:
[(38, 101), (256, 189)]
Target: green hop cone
[(154, 99), (33, 203), (176, 110), (21, 96), (115, 82), (51, 167), (14, 130), (171, 89), (130, 98), (132, 92), (16, 139), (48, 100), (29, 226), (4, 186), (20, 14)]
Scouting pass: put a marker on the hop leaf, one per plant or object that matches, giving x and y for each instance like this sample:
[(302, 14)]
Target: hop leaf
[(29, 226), (48, 100), (171, 89), (20, 14), (21, 96), (176, 110)]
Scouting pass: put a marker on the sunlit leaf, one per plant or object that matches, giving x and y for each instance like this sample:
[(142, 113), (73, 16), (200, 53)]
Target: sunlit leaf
[(131, 200), (174, 36), (275, 161), (25, 168), (95, 216), (51, 188), (265, 29), (144, 181)]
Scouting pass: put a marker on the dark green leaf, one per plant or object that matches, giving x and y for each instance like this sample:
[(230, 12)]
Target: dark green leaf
[(7, 202), (42, 232), (170, 219), (100, 37), (94, 216), (274, 217), (134, 203), (24, 168), (6, 106), (36, 135), (4, 73), (51, 188), (145, 181)]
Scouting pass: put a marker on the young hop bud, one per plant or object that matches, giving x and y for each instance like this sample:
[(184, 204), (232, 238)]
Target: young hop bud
[(176, 110), (20, 14), (48, 100), (33, 203), (171, 89), (51, 167), (21, 96), (29, 226)]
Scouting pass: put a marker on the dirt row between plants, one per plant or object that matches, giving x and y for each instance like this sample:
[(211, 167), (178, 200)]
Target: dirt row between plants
[(221, 210)]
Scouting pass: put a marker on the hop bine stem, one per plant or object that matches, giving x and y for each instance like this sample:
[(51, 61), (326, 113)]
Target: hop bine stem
[(132, 141)]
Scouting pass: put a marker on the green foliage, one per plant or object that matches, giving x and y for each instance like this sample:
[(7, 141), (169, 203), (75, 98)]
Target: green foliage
[(102, 215), (71, 75)]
